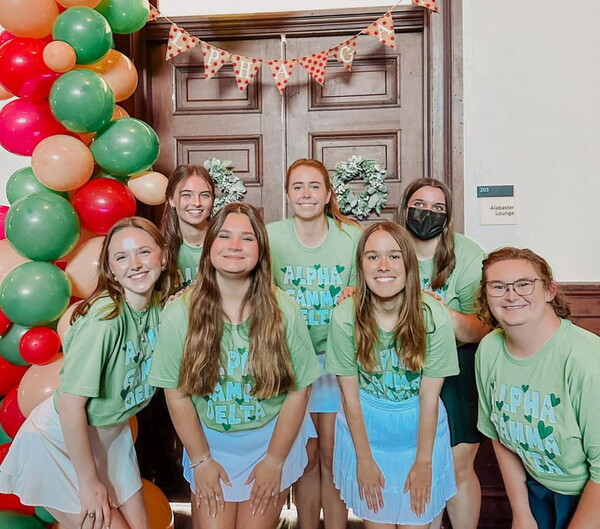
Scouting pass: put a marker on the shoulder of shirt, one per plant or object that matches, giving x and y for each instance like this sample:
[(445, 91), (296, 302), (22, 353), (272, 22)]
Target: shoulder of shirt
[(491, 342), (286, 302), (463, 243), (178, 308), (344, 312), (348, 230), (100, 308), (433, 304), (279, 226), (585, 345)]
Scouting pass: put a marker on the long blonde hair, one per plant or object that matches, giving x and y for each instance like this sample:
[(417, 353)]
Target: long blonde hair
[(409, 331), (269, 360)]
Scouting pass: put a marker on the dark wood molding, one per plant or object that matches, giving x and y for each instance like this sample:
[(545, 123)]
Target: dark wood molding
[(584, 300)]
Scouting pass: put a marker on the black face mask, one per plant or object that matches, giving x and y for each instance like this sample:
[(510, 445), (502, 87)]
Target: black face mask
[(425, 224)]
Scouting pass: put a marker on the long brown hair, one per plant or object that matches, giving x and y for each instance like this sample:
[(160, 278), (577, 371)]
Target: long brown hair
[(332, 208), (170, 221), (509, 253), (107, 284), (409, 332), (269, 360), (444, 259)]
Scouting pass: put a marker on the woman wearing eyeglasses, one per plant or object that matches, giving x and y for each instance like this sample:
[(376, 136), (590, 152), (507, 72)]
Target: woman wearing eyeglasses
[(538, 377)]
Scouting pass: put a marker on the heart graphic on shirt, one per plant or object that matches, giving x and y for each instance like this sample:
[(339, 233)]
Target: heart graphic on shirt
[(317, 266), (317, 307), (499, 404), (124, 393), (528, 418), (241, 350), (549, 454), (303, 289), (554, 400), (524, 446), (505, 417), (545, 468), (327, 321), (240, 401), (340, 268), (283, 269), (321, 285), (410, 376), (544, 430), (296, 282), (524, 387), (425, 280), (252, 417), (334, 291), (226, 427)]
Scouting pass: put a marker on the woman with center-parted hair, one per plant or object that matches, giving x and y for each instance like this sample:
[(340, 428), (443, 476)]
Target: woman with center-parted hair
[(391, 345), (236, 361)]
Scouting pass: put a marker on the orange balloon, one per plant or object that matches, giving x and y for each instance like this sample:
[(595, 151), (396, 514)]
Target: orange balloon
[(118, 71), (149, 188), (4, 94), (119, 113), (9, 259), (82, 267), (133, 424), (64, 324), (59, 56), (28, 18), (160, 515), (76, 3), (38, 383), (62, 162)]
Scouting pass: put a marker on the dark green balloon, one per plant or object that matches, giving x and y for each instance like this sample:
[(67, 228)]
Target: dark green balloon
[(125, 16), (82, 101), (103, 173), (16, 520), (126, 146), (4, 437), (35, 293), (44, 515), (86, 30), (9, 345), (23, 183), (42, 227)]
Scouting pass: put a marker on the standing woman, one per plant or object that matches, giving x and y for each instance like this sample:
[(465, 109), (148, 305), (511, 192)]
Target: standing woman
[(450, 268), (190, 195), (74, 454), (313, 261), (391, 346), (236, 362)]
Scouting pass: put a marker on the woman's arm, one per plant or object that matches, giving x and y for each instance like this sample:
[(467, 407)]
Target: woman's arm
[(369, 475), (586, 516), (92, 492), (514, 476), (208, 473), (267, 473), (468, 328)]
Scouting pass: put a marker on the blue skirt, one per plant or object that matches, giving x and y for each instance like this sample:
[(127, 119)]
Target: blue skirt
[(325, 396), (392, 429)]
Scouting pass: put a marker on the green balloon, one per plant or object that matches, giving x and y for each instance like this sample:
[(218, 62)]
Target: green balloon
[(9, 345), (42, 227), (44, 515), (82, 101), (4, 437), (86, 30), (103, 173), (16, 520), (35, 293), (125, 16), (23, 183), (126, 146)]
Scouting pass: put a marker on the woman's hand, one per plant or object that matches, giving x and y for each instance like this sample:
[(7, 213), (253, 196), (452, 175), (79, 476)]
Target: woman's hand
[(436, 296), (267, 484), (209, 492), (95, 506), (346, 293), (370, 482), (418, 483)]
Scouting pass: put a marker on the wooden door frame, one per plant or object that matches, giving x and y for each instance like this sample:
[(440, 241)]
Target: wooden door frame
[(443, 83)]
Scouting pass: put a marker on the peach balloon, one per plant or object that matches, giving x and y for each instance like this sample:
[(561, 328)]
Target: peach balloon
[(118, 71), (62, 162), (5, 94), (119, 113), (64, 324), (28, 18), (38, 383), (82, 267), (78, 3), (9, 259), (160, 515), (59, 56), (149, 188), (133, 424)]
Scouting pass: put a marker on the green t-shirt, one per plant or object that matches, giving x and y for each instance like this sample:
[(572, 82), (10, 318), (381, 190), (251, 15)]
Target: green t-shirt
[(391, 379), (231, 407), (314, 277), (109, 361), (545, 408), (187, 262), (461, 286)]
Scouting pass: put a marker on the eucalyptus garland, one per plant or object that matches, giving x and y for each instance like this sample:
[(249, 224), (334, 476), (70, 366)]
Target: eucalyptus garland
[(231, 188), (373, 198)]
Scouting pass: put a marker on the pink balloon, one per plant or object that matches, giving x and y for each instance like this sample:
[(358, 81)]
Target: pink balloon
[(38, 383), (24, 124), (64, 324), (82, 268), (9, 259), (3, 212)]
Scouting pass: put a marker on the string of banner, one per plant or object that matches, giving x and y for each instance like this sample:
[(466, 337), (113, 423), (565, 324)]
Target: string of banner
[(246, 68)]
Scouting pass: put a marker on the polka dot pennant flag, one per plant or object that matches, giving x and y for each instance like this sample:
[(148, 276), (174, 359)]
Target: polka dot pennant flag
[(154, 14), (345, 52), (179, 41), (281, 70), (429, 4), (214, 59), (383, 29), (315, 65), (245, 69)]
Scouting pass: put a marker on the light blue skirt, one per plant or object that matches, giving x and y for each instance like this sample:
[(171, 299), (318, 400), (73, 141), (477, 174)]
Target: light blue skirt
[(325, 396), (392, 429), (239, 452)]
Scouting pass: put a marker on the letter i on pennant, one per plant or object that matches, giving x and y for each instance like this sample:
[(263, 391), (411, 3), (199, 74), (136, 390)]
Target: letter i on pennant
[(429, 4), (179, 41), (345, 53), (281, 70), (383, 29), (214, 59), (245, 69)]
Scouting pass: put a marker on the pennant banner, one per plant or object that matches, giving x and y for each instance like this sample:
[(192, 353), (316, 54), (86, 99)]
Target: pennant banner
[(245, 69), (154, 14), (345, 53), (383, 30), (179, 41), (315, 65), (429, 4), (214, 59), (281, 70)]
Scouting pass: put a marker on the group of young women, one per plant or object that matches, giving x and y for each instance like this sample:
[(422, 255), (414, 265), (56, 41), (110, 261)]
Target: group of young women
[(330, 383)]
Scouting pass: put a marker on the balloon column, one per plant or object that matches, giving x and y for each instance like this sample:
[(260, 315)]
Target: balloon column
[(58, 65)]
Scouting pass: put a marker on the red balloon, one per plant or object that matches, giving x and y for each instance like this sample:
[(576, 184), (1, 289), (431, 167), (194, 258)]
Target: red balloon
[(5, 323), (10, 375), (4, 448), (23, 71), (39, 345), (23, 124), (11, 417), (102, 202), (3, 212)]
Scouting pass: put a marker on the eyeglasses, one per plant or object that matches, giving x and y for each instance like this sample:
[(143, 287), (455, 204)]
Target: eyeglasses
[(523, 287)]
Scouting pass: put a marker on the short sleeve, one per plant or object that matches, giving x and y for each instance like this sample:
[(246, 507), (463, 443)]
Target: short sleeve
[(470, 275), (441, 358), (340, 356), (484, 422), (356, 237)]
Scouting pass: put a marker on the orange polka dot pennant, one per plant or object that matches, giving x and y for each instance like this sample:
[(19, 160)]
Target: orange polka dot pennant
[(383, 30), (429, 4), (214, 59), (179, 41), (154, 14), (281, 70), (315, 65), (245, 68), (345, 52)]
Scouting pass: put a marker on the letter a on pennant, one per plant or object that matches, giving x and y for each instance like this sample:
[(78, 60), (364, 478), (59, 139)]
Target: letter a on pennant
[(281, 70), (245, 69), (345, 53), (383, 29), (179, 41), (429, 4), (214, 59)]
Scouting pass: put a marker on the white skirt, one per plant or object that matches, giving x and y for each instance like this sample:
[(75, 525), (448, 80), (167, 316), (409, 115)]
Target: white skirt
[(325, 396), (239, 452), (392, 429), (38, 470)]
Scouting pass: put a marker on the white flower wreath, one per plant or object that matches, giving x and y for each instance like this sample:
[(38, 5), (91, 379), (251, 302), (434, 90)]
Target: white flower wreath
[(374, 197), (230, 187)]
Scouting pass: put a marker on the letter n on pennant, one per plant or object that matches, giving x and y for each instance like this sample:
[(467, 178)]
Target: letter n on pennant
[(179, 41), (214, 59), (345, 53), (281, 70), (383, 29), (245, 69)]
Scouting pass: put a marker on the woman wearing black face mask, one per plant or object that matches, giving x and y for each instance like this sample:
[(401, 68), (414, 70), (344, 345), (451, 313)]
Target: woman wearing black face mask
[(450, 269)]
